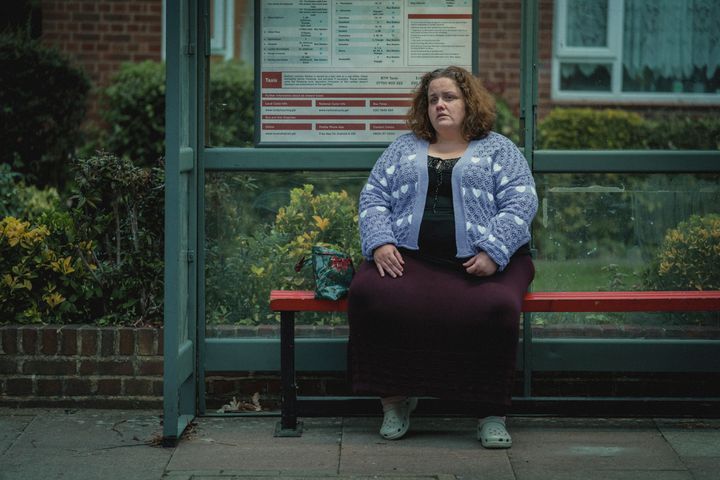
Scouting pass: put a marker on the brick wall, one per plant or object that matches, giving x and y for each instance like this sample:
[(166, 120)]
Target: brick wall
[(81, 366), (499, 45), (117, 367), (100, 35)]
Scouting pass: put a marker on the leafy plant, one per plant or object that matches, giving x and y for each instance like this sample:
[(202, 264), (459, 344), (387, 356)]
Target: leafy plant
[(134, 109), (506, 122), (24, 201), (118, 206), (42, 101), (47, 275), (588, 129), (231, 105), (688, 256), (265, 259)]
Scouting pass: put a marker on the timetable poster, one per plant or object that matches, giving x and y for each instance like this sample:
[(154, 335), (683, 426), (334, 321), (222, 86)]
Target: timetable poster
[(343, 71)]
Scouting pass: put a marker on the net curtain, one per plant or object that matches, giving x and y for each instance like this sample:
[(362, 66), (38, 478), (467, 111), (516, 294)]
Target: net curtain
[(669, 37)]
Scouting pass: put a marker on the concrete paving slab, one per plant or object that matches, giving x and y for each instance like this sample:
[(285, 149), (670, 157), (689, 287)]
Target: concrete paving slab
[(433, 446), (108, 444), (703, 468), (621, 449), (11, 426), (693, 438), (247, 444)]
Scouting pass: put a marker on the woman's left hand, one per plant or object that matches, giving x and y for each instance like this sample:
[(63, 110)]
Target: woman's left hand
[(481, 265)]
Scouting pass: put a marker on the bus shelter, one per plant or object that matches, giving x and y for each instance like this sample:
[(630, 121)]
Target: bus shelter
[(265, 99)]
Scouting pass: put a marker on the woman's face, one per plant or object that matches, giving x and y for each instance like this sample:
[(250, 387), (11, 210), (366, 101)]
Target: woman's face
[(446, 106)]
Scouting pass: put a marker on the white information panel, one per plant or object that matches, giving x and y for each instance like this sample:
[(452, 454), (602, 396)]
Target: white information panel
[(343, 71)]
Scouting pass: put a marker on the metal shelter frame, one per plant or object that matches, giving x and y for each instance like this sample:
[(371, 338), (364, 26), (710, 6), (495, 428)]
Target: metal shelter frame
[(188, 354)]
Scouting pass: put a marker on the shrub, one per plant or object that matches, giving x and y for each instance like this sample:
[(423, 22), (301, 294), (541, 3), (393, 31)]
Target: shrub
[(118, 206), (24, 201), (587, 129), (688, 256), (506, 122), (134, 110), (265, 260), (47, 275), (42, 102), (232, 105), (685, 132)]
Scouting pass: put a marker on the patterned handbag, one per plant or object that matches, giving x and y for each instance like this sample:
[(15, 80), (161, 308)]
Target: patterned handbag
[(333, 271)]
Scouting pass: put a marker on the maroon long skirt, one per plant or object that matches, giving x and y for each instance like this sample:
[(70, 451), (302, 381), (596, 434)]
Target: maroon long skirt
[(436, 331)]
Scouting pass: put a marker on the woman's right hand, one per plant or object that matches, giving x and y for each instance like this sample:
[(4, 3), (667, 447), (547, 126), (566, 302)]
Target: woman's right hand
[(388, 260)]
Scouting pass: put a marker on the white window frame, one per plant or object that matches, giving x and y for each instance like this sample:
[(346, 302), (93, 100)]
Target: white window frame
[(610, 54), (221, 35)]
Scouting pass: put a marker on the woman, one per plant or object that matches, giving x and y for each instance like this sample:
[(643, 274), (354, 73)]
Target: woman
[(444, 224)]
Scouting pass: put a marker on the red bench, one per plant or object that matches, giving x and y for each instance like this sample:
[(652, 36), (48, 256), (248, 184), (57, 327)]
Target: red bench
[(288, 302)]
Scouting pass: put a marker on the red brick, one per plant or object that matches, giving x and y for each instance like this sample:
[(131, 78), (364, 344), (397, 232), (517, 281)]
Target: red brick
[(137, 386), (50, 367), (75, 387), (49, 345), (49, 387), (160, 342), (107, 342), (8, 365), (114, 367), (150, 366), (221, 386), (146, 341), (69, 340), (9, 340), (127, 341), (19, 386), (109, 386), (157, 388), (29, 340), (88, 342)]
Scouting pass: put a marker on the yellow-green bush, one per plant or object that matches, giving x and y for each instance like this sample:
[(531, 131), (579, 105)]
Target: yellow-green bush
[(46, 277), (588, 129), (689, 256), (265, 260)]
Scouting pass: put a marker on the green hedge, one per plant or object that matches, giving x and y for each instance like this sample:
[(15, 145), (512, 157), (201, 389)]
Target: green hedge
[(134, 109), (42, 105)]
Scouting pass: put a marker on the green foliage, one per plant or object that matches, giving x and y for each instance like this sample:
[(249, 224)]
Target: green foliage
[(685, 132), (134, 109), (688, 256), (232, 105), (47, 275), (588, 129), (506, 122), (265, 259), (118, 206), (42, 104), (24, 201)]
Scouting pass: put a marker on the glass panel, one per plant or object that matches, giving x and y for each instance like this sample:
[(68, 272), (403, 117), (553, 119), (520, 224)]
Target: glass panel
[(671, 46), (628, 232), (586, 23), (499, 61), (258, 226), (604, 121), (231, 100), (590, 77)]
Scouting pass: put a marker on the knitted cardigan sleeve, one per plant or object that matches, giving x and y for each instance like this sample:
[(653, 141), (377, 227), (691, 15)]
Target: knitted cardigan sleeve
[(516, 203), (375, 219)]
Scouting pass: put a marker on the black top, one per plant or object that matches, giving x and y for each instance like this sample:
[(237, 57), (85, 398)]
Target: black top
[(437, 230)]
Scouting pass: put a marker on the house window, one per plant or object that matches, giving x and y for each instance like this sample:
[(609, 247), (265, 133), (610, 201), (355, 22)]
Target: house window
[(221, 28), (637, 50)]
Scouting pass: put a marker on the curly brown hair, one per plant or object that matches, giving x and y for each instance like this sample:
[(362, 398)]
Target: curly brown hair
[(479, 105)]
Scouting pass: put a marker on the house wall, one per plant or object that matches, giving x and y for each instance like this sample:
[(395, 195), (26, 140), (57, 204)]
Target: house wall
[(101, 35)]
